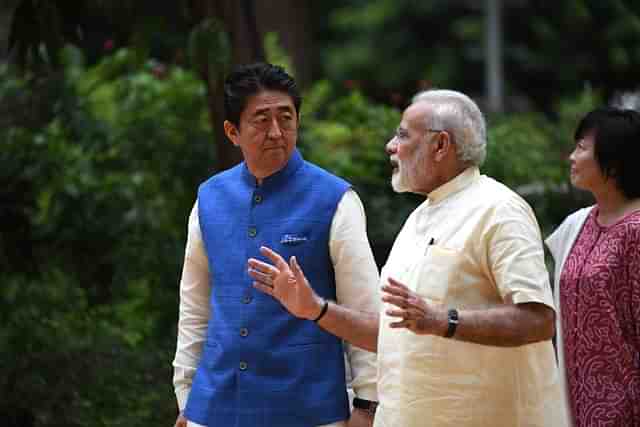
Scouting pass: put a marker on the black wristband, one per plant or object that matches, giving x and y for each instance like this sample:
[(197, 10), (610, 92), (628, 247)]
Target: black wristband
[(325, 307), (367, 405), (452, 317)]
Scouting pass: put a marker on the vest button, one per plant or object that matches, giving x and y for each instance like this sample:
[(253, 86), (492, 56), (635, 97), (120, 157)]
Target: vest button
[(244, 332), (257, 198), (246, 299), (252, 232), (243, 366)]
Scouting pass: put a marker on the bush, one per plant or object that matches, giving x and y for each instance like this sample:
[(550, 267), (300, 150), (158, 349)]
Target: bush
[(96, 191)]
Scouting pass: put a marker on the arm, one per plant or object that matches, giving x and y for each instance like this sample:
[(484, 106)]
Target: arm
[(507, 325), (356, 278), (193, 311), (511, 254), (288, 284)]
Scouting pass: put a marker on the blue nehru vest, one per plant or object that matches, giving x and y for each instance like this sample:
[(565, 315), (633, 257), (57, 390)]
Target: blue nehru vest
[(260, 366)]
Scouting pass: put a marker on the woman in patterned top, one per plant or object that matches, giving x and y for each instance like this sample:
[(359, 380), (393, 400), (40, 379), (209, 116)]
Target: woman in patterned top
[(597, 254)]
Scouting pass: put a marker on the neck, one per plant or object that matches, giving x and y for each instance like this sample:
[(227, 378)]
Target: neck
[(613, 205)]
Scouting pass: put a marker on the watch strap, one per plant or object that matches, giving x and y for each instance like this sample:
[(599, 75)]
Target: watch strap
[(452, 318), (368, 405)]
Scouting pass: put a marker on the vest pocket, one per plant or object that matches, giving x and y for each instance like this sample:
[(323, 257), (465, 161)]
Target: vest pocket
[(290, 367)]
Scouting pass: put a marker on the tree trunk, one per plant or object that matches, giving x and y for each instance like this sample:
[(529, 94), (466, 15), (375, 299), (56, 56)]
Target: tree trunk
[(7, 11), (247, 21)]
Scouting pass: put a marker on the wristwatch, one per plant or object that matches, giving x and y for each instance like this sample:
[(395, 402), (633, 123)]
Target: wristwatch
[(368, 405), (452, 317)]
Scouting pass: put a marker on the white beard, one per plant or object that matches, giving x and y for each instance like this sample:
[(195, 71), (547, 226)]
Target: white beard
[(399, 181)]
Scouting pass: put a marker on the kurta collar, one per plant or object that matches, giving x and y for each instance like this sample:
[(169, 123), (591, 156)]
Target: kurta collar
[(274, 180), (460, 182)]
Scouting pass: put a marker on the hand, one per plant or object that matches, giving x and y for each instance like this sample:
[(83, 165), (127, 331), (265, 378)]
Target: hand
[(286, 283), (181, 421), (414, 313), (360, 418)]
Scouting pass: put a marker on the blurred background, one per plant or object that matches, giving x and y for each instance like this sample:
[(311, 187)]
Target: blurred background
[(111, 114)]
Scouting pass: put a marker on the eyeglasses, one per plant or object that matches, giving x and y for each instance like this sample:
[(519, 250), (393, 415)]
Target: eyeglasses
[(402, 134)]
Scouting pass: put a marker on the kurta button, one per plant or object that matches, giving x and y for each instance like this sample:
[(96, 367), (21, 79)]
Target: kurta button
[(252, 232), (257, 198), (243, 366), (244, 332), (246, 299)]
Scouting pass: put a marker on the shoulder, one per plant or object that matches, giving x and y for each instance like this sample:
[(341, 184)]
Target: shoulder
[(222, 177), (630, 229), (576, 219), (502, 200), (324, 176)]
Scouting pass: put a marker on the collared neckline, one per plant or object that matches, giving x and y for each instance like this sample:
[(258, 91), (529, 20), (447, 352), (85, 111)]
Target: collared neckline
[(460, 182), (293, 164)]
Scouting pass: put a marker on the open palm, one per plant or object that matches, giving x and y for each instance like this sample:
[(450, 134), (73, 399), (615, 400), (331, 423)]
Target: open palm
[(286, 283)]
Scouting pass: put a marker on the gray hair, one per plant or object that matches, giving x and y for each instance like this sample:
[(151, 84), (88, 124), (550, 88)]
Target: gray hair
[(456, 113)]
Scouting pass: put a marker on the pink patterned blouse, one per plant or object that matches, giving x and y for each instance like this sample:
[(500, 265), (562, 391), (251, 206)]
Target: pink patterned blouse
[(600, 304)]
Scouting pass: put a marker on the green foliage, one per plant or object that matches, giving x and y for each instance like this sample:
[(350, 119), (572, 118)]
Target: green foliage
[(276, 54), (395, 47), (96, 191), (347, 135)]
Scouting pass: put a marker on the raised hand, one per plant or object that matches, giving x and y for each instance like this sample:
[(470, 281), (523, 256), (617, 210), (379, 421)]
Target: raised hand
[(413, 312), (286, 283)]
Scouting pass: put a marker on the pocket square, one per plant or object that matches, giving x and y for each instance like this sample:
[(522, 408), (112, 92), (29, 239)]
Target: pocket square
[(292, 239)]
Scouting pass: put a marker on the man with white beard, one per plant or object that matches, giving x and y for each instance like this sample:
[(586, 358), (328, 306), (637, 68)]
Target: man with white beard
[(464, 336)]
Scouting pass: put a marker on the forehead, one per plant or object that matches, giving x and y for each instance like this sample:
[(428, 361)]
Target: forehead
[(268, 99)]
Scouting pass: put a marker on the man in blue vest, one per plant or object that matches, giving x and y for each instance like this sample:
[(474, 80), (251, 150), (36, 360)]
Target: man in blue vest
[(242, 360)]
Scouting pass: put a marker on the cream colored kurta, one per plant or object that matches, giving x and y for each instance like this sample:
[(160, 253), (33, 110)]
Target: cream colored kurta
[(472, 244)]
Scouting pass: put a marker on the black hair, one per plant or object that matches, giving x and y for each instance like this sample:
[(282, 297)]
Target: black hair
[(616, 136), (248, 80)]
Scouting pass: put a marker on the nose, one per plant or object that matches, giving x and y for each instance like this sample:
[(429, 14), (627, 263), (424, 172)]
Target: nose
[(392, 146), (572, 156), (274, 129)]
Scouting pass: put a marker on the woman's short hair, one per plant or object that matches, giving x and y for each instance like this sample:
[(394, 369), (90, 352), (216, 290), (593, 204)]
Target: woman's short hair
[(616, 136)]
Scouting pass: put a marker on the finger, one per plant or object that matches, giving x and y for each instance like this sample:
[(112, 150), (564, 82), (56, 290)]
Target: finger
[(264, 288), (397, 313), (401, 324), (395, 283), (395, 300), (274, 257), (263, 267), (297, 270), (261, 277), (394, 290)]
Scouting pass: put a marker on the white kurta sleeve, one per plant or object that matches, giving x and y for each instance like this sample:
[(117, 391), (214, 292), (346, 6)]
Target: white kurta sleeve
[(193, 310), (356, 283)]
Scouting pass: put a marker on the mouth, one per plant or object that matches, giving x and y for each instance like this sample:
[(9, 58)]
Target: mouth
[(275, 147)]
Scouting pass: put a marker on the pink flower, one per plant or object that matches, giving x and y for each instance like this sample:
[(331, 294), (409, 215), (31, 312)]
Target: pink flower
[(108, 45)]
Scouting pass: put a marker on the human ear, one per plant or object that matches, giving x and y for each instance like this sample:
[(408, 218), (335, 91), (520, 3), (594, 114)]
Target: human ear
[(231, 131), (443, 145)]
